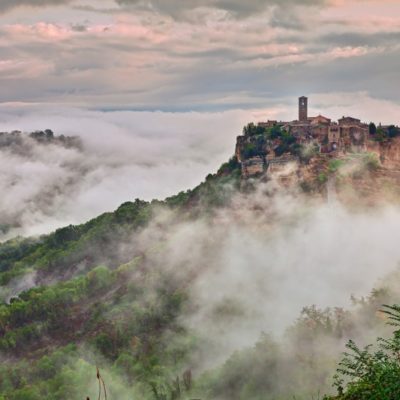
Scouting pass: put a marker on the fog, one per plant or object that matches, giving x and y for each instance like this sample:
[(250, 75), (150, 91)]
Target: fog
[(125, 155), (255, 265)]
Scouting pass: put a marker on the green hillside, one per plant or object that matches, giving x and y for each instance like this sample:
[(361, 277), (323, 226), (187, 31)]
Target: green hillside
[(94, 296), (91, 303)]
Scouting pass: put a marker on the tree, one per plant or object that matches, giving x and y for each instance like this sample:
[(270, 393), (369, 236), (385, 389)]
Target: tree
[(372, 128), (392, 131), (380, 135), (373, 372), (249, 129), (250, 150)]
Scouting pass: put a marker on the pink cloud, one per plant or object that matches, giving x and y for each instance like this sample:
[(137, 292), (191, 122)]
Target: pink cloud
[(24, 68), (39, 31)]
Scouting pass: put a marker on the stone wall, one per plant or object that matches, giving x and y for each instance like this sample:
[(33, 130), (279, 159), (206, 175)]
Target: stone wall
[(253, 166)]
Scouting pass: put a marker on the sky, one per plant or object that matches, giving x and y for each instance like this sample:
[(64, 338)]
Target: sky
[(203, 55), (158, 90)]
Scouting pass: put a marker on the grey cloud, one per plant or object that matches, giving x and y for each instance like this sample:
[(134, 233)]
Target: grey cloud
[(177, 8), (208, 83), (285, 17), (6, 5), (79, 28), (232, 72), (360, 39)]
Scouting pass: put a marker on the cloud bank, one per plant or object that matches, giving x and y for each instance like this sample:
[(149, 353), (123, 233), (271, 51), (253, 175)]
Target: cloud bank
[(235, 7), (128, 155), (196, 55), (125, 155)]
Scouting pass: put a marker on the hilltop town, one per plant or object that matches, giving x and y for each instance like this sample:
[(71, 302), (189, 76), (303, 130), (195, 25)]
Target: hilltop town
[(266, 145)]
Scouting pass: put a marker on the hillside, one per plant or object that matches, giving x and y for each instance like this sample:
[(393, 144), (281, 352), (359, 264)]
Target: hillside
[(143, 292)]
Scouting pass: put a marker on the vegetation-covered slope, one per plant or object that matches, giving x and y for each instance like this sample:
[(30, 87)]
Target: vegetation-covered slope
[(98, 295), (88, 290)]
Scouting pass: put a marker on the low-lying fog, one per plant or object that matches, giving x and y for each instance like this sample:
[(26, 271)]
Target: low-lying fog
[(125, 155)]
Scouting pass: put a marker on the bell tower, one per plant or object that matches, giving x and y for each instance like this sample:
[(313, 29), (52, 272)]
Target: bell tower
[(303, 109)]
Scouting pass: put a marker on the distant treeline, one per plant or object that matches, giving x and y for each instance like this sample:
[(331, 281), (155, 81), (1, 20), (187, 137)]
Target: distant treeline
[(47, 136)]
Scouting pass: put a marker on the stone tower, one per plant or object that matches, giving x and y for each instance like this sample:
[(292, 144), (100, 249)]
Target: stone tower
[(303, 109)]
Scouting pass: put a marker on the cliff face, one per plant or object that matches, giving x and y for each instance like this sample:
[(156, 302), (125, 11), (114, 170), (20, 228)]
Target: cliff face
[(387, 151), (366, 176)]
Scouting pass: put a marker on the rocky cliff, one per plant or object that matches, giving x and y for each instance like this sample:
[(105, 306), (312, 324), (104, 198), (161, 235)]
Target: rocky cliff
[(368, 175)]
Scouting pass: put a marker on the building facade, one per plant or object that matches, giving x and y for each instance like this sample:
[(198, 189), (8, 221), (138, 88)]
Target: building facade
[(303, 109)]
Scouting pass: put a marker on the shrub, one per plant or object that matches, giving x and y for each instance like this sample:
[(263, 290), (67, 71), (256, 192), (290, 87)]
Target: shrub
[(322, 178), (372, 372), (249, 150), (334, 165), (371, 161)]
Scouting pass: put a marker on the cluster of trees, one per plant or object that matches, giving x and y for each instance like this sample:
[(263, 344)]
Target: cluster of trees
[(113, 319), (372, 372), (301, 364), (99, 307), (91, 243), (44, 137), (106, 319), (262, 140), (380, 134)]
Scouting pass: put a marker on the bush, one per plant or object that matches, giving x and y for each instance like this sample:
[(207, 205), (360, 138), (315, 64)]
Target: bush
[(249, 151), (99, 278), (322, 178), (371, 161), (334, 165), (232, 165), (251, 130), (373, 373)]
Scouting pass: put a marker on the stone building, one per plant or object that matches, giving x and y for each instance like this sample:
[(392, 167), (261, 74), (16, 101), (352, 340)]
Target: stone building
[(348, 121), (334, 137), (303, 109), (319, 127), (354, 134), (348, 134), (268, 124)]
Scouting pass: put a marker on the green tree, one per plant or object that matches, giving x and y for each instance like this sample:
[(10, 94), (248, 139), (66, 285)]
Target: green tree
[(372, 372), (372, 128), (26, 393), (392, 131)]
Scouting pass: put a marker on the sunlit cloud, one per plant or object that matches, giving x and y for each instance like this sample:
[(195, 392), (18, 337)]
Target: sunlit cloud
[(201, 55)]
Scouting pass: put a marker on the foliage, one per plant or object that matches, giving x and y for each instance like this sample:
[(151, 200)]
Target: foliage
[(86, 296), (252, 130), (380, 135), (90, 243), (334, 165), (249, 151), (393, 131), (373, 371), (95, 305), (261, 140), (230, 167), (370, 161), (372, 128)]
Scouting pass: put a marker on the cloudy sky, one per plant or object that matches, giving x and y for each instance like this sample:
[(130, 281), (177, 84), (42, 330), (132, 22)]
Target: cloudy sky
[(159, 89), (207, 55)]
